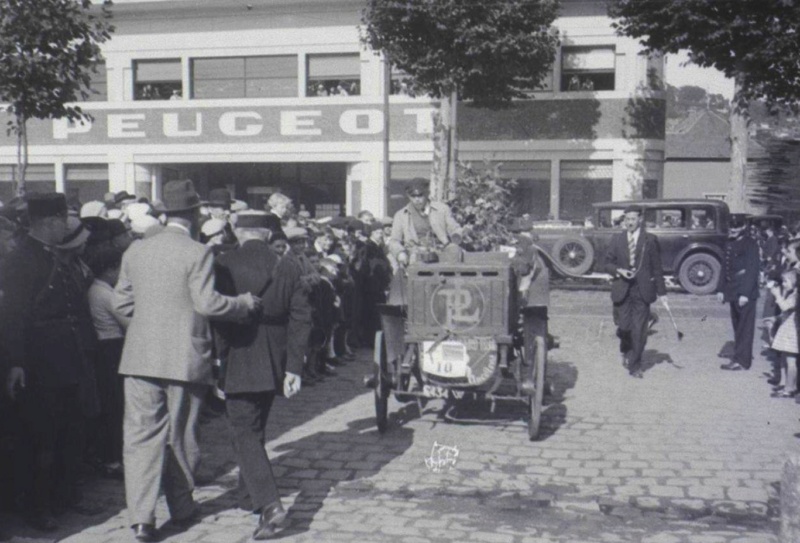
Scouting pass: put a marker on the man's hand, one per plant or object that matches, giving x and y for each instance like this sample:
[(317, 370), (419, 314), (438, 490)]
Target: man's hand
[(664, 300), (253, 303), (743, 301), (720, 297), (291, 384), (625, 274), (402, 258), (15, 382)]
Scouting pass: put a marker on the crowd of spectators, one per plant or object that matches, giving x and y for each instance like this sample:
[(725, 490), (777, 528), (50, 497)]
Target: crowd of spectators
[(346, 274)]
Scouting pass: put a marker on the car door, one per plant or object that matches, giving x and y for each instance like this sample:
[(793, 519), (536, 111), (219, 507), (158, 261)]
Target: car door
[(608, 221)]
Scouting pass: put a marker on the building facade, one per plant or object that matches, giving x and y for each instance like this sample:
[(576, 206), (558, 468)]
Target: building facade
[(280, 95)]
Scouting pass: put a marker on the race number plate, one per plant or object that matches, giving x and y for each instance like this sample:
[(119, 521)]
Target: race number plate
[(445, 359)]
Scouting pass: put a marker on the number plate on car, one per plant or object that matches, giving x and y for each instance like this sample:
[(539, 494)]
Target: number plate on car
[(445, 359)]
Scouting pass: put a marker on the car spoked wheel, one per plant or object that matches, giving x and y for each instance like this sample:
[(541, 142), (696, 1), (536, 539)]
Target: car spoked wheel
[(574, 254), (699, 273)]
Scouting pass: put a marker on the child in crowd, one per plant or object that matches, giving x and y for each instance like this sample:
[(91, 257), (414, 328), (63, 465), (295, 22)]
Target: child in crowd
[(785, 340)]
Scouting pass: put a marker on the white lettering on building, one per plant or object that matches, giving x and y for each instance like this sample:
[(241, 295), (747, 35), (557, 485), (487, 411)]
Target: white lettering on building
[(373, 122), (228, 123), (293, 123), (125, 125), (172, 129), (62, 128), (424, 117)]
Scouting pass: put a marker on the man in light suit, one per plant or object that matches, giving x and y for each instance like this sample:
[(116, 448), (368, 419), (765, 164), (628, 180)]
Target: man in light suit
[(263, 357), (421, 223), (166, 288), (634, 261)]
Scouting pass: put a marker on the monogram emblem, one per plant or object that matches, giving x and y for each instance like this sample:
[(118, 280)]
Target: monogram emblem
[(457, 307)]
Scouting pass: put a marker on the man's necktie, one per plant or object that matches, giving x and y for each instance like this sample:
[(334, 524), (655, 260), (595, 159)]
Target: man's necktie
[(632, 250)]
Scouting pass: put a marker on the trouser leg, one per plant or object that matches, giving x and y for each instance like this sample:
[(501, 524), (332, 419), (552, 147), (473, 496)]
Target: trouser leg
[(744, 332), (145, 434), (247, 418), (184, 401), (640, 313)]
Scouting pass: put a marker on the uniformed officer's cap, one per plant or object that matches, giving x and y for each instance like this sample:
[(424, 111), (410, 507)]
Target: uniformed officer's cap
[(418, 187), (633, 209), (252, 219), (737, 222), (44, 205)]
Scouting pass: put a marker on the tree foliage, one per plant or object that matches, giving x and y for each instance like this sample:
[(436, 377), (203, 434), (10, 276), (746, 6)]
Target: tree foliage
[(48, 50), (756, 42), (489, 51), (483, 205)]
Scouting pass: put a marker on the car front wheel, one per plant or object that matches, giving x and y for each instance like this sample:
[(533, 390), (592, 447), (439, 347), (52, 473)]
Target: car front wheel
[(699, 273)]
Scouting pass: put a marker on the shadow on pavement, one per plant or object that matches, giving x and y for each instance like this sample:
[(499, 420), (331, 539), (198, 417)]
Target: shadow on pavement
[(368, 451), (726, 351), (652, 358)]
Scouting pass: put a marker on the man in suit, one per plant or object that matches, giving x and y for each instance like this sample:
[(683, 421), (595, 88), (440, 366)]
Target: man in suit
[(738, 286), (47, 341), (263, 357), (166, 288), (634, 261), (421, 223)]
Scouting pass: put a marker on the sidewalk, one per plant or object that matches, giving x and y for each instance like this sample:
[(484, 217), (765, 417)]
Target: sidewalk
[(689, 454)]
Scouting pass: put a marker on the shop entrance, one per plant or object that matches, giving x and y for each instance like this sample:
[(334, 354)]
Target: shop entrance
[(319, 187)]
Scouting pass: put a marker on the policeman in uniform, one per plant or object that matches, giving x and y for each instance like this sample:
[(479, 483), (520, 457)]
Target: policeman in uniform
[(47, 337), (738, 287)]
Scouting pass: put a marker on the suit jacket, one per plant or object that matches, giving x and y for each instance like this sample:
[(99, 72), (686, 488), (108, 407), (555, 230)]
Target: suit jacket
[(740, 269), (258, 353), (649, 279), (166, 288), (45, 323), (443, 226)]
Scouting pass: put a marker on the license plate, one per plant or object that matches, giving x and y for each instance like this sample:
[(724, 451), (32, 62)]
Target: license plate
[(446, 359)]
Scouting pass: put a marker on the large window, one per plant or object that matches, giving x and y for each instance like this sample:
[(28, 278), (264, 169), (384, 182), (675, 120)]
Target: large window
[(587, 68), (244, 77), (86, 182), (583, 183), (157, 79), (334, 75), (98, 87), (532, 193), (38, 178)]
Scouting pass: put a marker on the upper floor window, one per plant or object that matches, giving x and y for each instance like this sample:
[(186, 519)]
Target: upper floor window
[(98, 87), (157, 79), (334, 75), (244, 77), (587, 68), (400, 83)]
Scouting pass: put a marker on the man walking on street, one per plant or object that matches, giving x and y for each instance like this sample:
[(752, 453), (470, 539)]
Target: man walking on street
[(166, 288), (634, 261), (738, 286), (263, 358)]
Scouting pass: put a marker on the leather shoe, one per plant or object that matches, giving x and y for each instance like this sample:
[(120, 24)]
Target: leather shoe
[(269, 520), (731, 366), (144, 532), (638, 374)]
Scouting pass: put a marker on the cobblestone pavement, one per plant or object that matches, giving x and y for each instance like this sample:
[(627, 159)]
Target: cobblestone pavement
[(687, 454)]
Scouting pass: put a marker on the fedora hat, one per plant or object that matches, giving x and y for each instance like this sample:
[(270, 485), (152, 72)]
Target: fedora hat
[(180, 196), (219, 198)]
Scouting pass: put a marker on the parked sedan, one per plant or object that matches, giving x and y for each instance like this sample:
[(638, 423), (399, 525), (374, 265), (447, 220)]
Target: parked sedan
[(691, 233)]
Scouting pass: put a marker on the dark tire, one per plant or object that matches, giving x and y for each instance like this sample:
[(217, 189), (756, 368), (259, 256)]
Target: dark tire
[(699, 273), (573, 254), (382, 386), (536, 360)]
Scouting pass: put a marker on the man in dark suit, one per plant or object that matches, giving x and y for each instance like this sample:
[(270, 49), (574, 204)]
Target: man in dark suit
[(47, 340), (262, 358), (634, 261), (738, 286)]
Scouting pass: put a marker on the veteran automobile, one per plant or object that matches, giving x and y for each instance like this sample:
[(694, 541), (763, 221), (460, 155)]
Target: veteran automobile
[(691, 233)]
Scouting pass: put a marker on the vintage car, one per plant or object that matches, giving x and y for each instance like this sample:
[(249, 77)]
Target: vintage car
[(691, 233)]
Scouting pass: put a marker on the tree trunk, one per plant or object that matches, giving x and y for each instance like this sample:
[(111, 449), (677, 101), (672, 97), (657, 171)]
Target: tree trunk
[(444, 150), (737, 190), (22, 155)]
